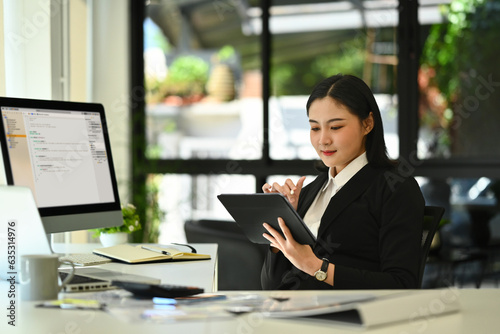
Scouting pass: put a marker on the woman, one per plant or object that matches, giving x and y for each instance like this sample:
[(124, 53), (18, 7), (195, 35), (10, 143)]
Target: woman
[(366, 216)]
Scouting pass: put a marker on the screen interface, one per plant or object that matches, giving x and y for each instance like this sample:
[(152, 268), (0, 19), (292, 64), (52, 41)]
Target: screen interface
[(60, 154)]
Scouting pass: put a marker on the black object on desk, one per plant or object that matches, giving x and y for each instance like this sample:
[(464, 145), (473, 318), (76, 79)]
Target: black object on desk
[(250, 211), (158, 290)]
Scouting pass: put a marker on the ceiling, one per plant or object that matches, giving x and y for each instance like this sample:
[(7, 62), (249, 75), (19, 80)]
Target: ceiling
[(300, 29)]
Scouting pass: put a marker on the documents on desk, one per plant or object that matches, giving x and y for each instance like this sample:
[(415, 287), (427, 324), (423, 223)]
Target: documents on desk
[(134, 254), (356, 308), (365, 310)]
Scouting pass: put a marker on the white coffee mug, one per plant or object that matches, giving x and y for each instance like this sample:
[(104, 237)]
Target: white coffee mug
[(39, 276)]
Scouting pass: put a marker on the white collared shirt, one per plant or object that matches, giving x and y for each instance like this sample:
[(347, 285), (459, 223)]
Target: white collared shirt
[(331, 187)]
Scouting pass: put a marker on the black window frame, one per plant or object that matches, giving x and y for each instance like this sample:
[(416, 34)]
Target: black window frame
[(409, 50)]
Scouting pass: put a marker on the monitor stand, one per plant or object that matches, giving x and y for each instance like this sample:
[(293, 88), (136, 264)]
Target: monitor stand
[(62, 247)]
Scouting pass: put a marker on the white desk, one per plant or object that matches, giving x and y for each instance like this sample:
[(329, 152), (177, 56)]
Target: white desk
[(194, 273), (201, 273), (479, 315), (479, 312)]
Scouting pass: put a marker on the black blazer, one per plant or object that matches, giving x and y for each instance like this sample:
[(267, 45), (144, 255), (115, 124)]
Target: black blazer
[(371, 230)]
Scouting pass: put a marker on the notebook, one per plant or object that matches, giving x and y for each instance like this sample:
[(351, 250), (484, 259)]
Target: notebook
[(134, 254), (21, 228)]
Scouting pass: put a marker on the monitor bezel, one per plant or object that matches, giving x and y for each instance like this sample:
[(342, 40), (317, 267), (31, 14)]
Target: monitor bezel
[(53, 217)]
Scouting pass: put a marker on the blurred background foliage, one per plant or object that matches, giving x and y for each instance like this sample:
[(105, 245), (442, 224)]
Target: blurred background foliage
[(297, 77), (459, 57), (452, 49)]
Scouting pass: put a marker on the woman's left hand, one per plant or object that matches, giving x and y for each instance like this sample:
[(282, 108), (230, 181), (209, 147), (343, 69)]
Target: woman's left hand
[(301, 256)]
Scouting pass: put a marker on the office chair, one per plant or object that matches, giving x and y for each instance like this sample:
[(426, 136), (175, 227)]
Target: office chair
[(432, 218), (454, 264), (239, 260)]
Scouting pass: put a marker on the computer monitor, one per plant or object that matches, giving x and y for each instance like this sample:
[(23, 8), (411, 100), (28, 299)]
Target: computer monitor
[(61, 151)]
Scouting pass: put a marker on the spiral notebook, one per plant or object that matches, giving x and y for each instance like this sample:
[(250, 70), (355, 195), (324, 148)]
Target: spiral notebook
[(134, 254)]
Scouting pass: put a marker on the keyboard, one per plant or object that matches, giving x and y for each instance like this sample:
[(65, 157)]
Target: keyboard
[(86, 259)]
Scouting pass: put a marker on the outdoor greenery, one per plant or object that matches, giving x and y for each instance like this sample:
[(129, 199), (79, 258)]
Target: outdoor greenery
[(187, 75), (298, 77), (225, 54), (452, 49), (153, 213), (458, 58), (131, 222)]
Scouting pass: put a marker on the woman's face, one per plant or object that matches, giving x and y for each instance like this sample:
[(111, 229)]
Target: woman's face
[(337, 135)]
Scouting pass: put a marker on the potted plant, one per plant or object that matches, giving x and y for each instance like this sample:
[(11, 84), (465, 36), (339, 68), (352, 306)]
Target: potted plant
[(186, 79), (110, 236)]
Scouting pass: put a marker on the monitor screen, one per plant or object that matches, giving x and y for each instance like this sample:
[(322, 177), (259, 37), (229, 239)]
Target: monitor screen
[(61, 151)]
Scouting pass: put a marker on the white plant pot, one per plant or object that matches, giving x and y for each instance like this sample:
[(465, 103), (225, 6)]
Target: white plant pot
[(112, 239)]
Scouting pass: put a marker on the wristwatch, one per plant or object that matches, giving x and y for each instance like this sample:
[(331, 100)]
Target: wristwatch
[(322, 273)]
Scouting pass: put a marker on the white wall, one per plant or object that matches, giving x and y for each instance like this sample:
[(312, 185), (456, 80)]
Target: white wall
[(78, 50), (109, 72), (2, 58), (2, 85), (27, 46)]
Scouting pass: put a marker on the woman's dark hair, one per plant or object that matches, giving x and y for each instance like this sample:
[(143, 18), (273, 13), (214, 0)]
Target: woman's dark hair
[(357, 97)]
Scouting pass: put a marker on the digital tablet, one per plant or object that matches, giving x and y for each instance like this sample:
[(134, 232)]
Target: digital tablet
[(250, 211)]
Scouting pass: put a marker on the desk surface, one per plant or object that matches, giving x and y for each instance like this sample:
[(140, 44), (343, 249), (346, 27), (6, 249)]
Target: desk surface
[(479, 314), (479, 310)]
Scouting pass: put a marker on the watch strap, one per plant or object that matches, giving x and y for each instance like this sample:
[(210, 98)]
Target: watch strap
[(324, 265)]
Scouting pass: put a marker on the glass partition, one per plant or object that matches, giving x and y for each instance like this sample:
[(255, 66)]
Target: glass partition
[(459, 81), (312, 41), (202, 81), (182, 197)]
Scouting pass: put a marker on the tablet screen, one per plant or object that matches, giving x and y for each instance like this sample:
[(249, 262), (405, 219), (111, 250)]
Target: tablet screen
[(250, 211)]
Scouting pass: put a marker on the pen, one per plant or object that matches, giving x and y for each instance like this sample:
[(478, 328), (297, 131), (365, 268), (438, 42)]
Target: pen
[(193, 250), (155, 250)]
